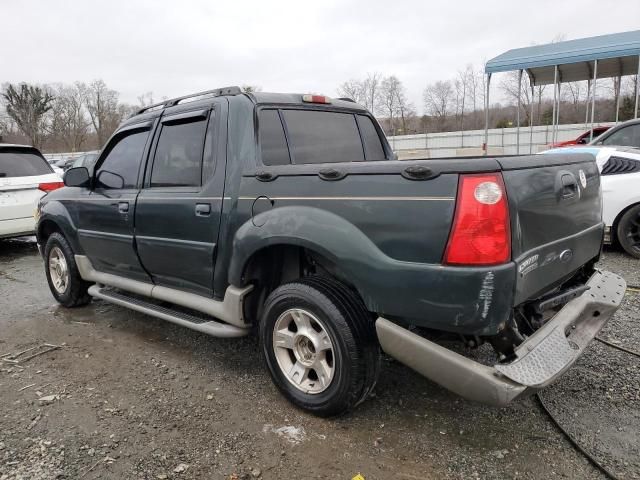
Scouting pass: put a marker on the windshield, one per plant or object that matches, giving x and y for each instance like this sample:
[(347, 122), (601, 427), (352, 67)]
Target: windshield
[(22, 163)]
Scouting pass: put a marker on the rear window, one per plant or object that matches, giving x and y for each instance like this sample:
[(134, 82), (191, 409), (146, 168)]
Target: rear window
[(21, 163), (323, 137)]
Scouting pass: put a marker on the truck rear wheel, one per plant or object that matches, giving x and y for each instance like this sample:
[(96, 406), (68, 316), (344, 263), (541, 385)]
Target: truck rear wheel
[(320, 345), (65, 283), (628, 231)]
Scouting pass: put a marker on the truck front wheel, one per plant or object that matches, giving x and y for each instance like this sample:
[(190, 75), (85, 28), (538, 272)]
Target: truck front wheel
[(320, 345), (65, 283)]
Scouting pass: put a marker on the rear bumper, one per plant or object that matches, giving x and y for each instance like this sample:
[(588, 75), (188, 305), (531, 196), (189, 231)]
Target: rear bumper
[(17, 227), (541, 359)]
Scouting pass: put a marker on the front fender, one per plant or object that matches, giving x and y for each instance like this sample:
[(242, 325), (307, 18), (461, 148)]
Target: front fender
[(54, 212), (470, 300)]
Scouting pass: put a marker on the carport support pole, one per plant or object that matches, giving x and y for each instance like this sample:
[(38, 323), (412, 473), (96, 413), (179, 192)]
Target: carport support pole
[(593, 96), (618, 98), (531, 119), (586, 115), (518, 112), (486, 116), (635, 110), (553, 113)]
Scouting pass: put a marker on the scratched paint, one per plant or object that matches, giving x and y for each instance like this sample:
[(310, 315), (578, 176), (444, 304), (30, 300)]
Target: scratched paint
[(486, 293)]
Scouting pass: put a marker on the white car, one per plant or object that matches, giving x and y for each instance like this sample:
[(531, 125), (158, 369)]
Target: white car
[(25, 176), (620, 170)]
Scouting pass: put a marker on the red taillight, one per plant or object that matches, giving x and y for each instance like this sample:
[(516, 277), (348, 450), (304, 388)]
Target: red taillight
[(50, 186), (315, 99), (480, 233)]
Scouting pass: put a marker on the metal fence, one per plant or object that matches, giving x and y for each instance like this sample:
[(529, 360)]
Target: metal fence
[(501, 141)]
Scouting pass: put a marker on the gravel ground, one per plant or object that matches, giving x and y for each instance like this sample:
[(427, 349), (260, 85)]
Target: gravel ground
[(130, 396)]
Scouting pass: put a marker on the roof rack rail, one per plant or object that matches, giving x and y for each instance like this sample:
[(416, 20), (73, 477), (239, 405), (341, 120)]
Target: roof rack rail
[(174, 101), (347, 99)]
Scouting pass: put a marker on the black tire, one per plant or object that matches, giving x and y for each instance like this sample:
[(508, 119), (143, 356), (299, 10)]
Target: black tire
[(75, 294), (351, 329), (628, 231)]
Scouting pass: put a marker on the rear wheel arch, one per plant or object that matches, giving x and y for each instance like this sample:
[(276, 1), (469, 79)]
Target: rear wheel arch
[(274, 265)]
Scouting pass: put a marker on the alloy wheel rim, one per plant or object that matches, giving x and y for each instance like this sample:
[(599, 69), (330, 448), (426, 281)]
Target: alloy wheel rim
[(304, 351), (58, 270)]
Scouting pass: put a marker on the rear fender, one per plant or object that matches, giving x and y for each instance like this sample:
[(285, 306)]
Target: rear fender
[(457, 299)]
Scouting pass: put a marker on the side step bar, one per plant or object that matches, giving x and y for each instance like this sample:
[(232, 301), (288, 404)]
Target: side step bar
[(211, 327), (229, 309)]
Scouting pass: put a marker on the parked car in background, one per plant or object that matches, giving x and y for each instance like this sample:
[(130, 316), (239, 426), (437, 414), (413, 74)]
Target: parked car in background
[(583, 139), (86, 160), (25, 176), (626, 134), (52, 163), (287, 215), (617, 154)]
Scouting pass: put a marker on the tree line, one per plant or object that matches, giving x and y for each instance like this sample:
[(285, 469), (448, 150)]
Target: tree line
[(457, 103), (62, 117)]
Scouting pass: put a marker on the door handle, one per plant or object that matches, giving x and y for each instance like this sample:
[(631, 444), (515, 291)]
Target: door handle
[(123, 207), (569, 186), (203, 209)]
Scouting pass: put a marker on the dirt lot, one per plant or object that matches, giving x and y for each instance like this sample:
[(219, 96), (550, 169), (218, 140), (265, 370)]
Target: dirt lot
[(130, 396)]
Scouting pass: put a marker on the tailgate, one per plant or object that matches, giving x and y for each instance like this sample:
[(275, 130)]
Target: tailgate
[(556, 217)]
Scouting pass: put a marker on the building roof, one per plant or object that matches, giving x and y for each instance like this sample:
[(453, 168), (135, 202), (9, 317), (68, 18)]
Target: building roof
[(617, 54)]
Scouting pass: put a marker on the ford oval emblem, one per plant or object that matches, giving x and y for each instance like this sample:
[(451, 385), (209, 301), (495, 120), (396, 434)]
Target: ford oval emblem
[(566, 255), (583, 178)]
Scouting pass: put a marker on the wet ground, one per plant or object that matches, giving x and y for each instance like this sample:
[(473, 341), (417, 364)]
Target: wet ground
[(130, 396)]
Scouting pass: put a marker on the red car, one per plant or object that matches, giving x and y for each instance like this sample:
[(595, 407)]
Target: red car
[(582, 139)]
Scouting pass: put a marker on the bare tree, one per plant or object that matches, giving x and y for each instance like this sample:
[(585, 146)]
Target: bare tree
[(145, 99), (27, 105), (102, 104), (69, 120), (438, 98), (389, 98), (519, 93), (353, 89), (371, 87)]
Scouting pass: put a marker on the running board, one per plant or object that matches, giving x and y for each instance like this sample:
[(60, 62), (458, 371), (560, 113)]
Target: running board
[(210, 327), (229, 309)]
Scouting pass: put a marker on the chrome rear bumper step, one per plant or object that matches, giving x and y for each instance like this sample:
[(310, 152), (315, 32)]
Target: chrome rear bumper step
[(210, 327), (540, 360)]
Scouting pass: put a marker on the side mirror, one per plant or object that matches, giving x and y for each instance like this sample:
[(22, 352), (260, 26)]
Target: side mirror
[(582, 141), (110, 180), (77, 177)]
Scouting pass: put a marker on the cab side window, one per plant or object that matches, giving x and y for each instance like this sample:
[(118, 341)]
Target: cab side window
[(178, 158), (625, 137), (120, 167)]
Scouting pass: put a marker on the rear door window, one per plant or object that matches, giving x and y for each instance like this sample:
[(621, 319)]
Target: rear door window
[(370, 138), (178, 158), (22, 163), (273, 143), (317, 136)]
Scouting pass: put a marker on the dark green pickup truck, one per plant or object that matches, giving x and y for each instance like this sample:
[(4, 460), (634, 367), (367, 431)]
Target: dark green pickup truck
[(287, 215)]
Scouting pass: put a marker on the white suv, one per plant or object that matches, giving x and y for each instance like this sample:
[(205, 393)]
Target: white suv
[(25, 176)]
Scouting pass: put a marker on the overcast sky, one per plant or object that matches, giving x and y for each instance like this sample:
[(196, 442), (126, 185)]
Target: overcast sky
[(174, 47)]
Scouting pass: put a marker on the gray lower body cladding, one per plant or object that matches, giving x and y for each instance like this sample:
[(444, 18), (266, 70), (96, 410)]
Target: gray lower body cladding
[(540, 360)]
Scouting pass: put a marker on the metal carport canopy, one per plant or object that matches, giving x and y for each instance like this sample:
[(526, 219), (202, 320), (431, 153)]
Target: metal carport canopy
[(617, 55)]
